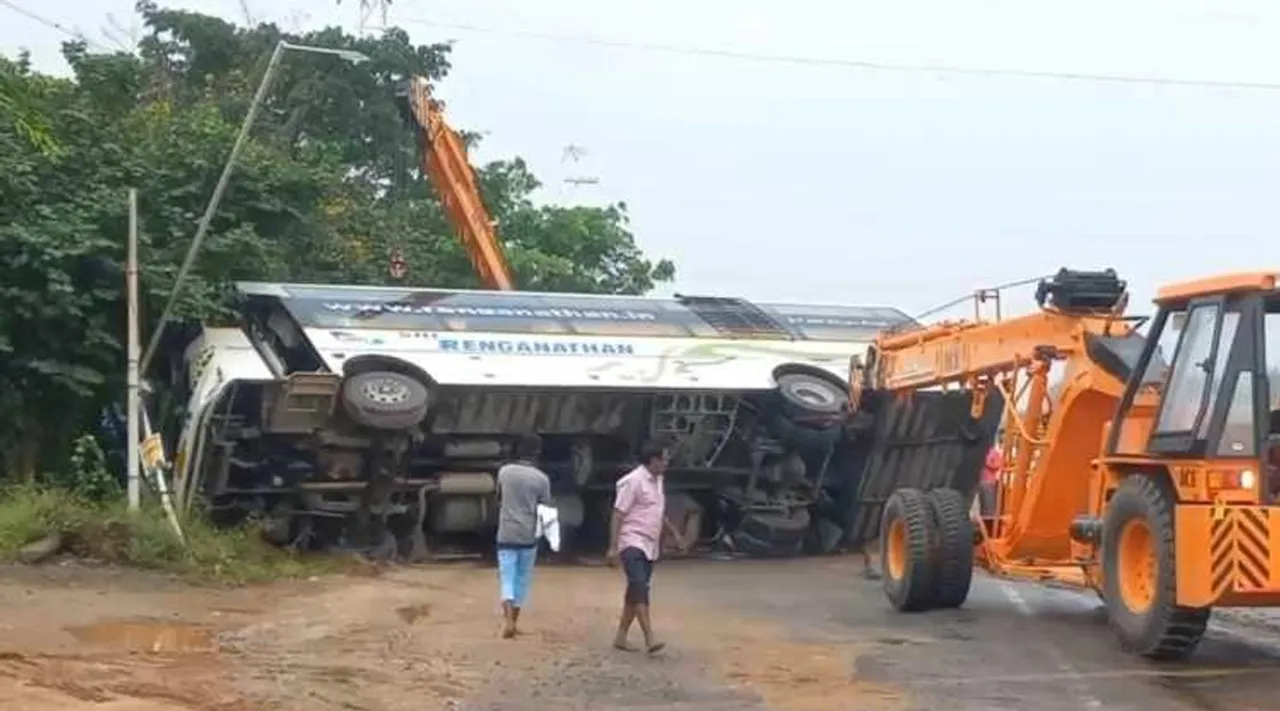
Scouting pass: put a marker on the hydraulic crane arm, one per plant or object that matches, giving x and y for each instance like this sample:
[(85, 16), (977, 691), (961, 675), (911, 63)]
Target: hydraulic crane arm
[(1048, 432), (965, 352), (444, 160)]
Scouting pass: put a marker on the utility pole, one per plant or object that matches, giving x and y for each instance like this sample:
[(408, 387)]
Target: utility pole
[(132, 377), (202, 228)]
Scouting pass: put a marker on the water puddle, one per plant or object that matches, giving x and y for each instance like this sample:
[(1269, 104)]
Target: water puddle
[(148, 636)]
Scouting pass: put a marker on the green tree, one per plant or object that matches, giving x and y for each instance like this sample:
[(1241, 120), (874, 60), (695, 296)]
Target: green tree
[(328, 185), (18, 95)]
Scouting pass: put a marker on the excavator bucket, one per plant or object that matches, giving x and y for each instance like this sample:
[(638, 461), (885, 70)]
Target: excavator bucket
[(928, 440)]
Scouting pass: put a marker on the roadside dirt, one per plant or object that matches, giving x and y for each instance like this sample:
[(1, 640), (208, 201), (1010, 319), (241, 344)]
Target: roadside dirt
[(425, 638)]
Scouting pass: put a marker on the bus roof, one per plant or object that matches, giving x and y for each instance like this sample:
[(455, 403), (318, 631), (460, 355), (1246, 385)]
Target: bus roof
[(415, 309)]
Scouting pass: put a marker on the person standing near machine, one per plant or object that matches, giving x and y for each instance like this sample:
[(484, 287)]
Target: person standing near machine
[(992, 467), (639, 519), (522, 487)]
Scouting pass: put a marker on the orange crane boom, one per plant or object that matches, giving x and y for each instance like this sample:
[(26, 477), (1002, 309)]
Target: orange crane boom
[(444, 161)]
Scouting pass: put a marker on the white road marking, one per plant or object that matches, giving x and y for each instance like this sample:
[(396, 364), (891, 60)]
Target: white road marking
[(1075, 680)]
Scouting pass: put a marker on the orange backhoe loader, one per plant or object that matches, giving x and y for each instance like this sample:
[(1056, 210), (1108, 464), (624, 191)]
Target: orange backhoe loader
[(444, 161), (1143, 474)]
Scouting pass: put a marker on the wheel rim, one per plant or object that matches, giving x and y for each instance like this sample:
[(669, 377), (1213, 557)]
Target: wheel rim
[(1137, 566), (386, 391), (896, 552), (812, 393)]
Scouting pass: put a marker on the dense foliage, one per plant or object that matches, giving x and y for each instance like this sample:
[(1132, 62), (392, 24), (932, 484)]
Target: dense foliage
[(326, 189)]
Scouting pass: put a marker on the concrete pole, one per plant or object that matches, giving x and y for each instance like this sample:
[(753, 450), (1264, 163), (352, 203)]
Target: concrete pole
[(211, 209), (131, 299), (216, 199)]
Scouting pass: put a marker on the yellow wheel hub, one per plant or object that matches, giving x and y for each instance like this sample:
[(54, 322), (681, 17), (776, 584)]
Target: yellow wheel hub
[(1136, 566)]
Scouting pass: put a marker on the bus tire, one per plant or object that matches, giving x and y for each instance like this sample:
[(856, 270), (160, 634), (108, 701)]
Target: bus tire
[(1139, 573), (772, 534), (807, 395), (906, 535), (954, 573), (385, 400)]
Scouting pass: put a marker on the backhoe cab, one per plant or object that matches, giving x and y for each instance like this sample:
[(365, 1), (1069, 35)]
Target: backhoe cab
[(1147, 472)]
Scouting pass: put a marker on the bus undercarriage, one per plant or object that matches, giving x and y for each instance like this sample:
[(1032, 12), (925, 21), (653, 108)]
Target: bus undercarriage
[(759, 473)]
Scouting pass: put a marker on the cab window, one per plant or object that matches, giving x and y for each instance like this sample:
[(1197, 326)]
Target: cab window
[(1185, 393)]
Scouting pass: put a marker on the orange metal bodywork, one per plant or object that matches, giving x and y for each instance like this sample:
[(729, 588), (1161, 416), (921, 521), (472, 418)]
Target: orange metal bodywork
[(1227, 544), (1221, 284), (1050, 446), (444, 160)]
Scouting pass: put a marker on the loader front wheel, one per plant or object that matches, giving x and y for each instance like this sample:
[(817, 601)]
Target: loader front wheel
[(906, 532), (1139, 571), (954, 573)]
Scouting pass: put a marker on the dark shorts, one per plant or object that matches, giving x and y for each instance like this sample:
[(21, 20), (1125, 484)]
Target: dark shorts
[(639, 571)]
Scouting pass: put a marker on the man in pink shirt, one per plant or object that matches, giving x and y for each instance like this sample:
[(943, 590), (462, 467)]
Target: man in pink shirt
[(639, 518)]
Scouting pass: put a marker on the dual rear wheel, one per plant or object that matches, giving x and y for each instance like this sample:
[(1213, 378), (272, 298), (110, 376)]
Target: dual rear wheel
[(926, 549)]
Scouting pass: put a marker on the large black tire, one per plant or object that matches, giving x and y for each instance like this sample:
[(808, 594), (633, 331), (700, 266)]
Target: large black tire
[(385, 400), (954, 560), (906, 534), (1164, 631), (806, 395), (809, 415), (772, 534)]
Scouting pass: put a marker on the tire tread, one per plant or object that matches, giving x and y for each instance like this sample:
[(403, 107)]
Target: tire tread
[(916, 591), (1181, 628), (954, 575)]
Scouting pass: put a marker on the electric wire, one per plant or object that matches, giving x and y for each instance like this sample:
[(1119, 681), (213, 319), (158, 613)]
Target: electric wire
[(75, 34), (865, 64), (743, 55)]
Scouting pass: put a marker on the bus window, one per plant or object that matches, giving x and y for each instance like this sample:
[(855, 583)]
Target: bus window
[(650, 329), (836, 323)]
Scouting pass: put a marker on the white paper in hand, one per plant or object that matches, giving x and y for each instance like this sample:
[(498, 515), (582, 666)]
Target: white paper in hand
[(549, 526)]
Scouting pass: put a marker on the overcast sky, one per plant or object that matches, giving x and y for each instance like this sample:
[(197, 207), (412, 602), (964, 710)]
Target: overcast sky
[(825, 183)]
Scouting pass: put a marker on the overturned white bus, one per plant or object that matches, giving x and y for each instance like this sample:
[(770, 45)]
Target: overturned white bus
[(377, 417)]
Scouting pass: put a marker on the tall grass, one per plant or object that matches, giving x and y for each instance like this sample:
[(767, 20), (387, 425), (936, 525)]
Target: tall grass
[(107, 531)]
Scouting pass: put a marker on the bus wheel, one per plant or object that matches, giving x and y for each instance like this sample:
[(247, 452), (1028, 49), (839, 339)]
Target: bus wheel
[(807, 395), (385, 400), (906, 531), (1140, 573), (955, 546), (810, 413)]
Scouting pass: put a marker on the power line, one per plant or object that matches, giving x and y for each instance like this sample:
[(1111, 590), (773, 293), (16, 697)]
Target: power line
[(871, 65), (742, 55), (54, 25)]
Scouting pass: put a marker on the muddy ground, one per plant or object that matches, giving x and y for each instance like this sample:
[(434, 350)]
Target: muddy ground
[(804, 635)]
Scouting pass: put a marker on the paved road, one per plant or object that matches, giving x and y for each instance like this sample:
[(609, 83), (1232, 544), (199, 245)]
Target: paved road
[(1013, 645)]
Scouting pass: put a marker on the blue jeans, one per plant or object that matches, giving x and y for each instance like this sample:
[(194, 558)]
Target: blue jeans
[(515, 573)]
